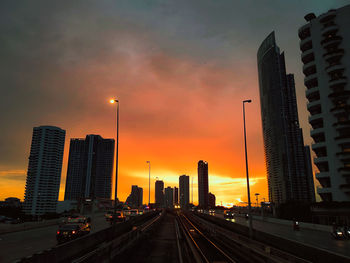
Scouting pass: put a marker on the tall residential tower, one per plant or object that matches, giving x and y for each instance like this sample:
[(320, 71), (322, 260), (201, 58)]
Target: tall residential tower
[(159, 193), (184, 185), (203, 187), (44, 170), (325, 47), (90, 168), (285, 156)]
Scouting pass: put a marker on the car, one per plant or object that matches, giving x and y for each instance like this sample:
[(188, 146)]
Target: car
[(108, 215), (212, 212), (337, 233), (68, 232), (229, 214), (9, 220), (134, 212), (82, 221), (3, 219), (118, 217)]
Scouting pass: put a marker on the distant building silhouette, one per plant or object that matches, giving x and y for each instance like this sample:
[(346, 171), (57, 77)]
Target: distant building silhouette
[(90, 168), (325, 47), (203, 187), (159, 193), (12, 202), (184, 185), (288, 178), (176, 195), (169, 197), (135, 198), (211, 200), (44, 170)]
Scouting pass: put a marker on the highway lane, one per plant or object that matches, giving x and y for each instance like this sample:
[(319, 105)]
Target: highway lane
[(315, 238), (25, 243)]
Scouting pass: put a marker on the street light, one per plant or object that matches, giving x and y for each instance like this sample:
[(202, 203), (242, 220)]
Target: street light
[(257, 198), (246, 165), (116, 154), (149, 183)]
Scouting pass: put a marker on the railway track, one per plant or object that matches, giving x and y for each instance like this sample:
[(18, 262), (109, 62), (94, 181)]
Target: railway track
[(203, 247), (208, 242)]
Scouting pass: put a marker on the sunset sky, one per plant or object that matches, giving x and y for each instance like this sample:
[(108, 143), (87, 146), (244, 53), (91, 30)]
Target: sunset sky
[(180, 69)]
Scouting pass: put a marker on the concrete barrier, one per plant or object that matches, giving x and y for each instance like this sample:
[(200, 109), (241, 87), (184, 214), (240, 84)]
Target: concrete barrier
[(81, 246), (302, 225)]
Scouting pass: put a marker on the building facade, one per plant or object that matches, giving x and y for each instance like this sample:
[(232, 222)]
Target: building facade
[(135, 198), (288, 178), (169, 197), (203, 184), (44, 170), (176, 195), (184, 187), (90, 168), (325, 47), (211, 200), (159, 193)]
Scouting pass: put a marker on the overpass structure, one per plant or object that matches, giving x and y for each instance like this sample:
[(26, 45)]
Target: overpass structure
[(175, 236)]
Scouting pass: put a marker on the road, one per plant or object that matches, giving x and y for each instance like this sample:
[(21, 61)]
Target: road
[(21, 244), (315, 238)]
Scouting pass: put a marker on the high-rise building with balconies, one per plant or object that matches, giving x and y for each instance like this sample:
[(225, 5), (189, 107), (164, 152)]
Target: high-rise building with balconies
[(325, 47), (44, 170), (90, 168), (289, 178)]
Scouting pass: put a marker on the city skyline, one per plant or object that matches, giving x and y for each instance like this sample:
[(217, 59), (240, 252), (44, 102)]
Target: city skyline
[(173, 93)]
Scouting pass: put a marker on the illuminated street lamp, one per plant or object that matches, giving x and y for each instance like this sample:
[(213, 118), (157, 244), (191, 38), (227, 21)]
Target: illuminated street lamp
[(246, 165), (116, 155), (149, 183)]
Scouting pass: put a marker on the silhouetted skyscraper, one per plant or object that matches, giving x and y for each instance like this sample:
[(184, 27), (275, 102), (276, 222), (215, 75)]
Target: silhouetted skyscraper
[(285, 157), (211, 200), (203, 187), (90, 168), (44, 170), (169, 197), (184, 185), (159, 193), (135, 198), (176, 195), (325, 46)]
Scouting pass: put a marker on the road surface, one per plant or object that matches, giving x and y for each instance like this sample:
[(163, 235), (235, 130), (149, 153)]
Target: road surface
[(315, 238), (21, 244)]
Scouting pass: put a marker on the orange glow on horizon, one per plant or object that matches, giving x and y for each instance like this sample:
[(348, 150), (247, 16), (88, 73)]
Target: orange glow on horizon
[(175, 112)]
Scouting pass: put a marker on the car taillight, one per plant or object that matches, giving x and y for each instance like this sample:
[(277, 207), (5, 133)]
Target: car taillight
[(58, 232), (73, 232)]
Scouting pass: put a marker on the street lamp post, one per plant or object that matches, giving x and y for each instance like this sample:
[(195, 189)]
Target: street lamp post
[(246, 165), (257, 198), (116, 155), (149, 183)]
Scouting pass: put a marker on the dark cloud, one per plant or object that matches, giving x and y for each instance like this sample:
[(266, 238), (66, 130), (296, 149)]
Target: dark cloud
[(58, 58)]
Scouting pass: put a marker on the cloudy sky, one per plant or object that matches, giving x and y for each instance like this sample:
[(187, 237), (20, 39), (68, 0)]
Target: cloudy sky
[(180, 69)]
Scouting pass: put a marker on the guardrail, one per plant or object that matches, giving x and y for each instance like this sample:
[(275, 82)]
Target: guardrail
[(295, 248), (77, 248), (110, 250)]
